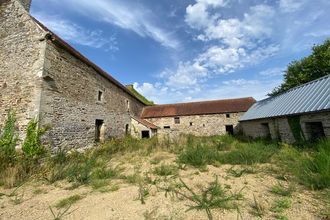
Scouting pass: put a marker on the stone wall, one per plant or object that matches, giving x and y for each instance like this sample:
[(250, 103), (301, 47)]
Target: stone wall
[(21, 63), (202, 125), (279, 127), (69, 101), (26, 4)]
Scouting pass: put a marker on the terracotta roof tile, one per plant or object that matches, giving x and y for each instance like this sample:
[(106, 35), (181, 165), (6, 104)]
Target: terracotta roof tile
[(199, 108), (145, 123)]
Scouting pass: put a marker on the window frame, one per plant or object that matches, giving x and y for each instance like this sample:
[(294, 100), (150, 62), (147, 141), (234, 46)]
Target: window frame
[(177, 120)]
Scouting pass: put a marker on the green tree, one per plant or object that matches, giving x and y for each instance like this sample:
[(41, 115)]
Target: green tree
[(307, 69)]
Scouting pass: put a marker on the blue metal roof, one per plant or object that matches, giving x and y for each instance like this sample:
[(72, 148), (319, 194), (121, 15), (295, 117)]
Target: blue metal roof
[(310, 97)]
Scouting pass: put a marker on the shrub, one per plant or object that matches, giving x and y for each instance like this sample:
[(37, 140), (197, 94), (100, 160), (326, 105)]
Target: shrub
[(32, 147), (8, 141)]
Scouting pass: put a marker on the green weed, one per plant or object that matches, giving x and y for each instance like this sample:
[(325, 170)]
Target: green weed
[(280, 205), (212, 197), (258, 209), (68, 202), (166, 170), (282, 190)]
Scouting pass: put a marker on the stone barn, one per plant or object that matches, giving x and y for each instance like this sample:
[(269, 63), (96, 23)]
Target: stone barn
[(198, 118), (44, 77), (302, 113)]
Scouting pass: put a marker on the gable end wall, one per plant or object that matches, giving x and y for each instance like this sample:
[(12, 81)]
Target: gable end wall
[(21, 57)]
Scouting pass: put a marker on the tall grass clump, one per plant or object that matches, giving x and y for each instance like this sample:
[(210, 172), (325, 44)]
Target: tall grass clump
[(198, 156), (8, 141), (249, 153), (311, 168)]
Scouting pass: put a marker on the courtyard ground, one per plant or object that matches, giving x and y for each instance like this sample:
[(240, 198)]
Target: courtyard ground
[(155, 184)]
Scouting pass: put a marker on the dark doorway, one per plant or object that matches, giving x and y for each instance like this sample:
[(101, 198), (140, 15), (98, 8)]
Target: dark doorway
[(315, 130), (145, 134), (230, 129), (98, 127), (265, 130)]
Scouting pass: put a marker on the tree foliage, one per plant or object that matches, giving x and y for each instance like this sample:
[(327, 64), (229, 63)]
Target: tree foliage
[(307, 69), (8, 140)]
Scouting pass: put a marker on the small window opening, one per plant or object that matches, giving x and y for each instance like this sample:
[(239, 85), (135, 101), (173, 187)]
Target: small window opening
[(265, 129), (203, 125), (191, 124), (227, 115), (167, 127), (127, 105), (98, 130), (230, 129), (314, 131), (177, 120), (100, 96), (145, 134)]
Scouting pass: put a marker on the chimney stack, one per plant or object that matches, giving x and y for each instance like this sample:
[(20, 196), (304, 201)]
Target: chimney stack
[(26, 4)]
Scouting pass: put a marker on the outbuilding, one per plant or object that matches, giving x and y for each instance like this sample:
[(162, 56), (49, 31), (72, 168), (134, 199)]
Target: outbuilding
[(302, 113)]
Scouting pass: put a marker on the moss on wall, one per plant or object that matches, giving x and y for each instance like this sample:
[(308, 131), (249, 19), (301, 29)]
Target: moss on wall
[(294, 123)]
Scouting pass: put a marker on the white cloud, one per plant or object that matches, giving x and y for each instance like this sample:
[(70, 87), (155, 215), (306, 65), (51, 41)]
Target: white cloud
[(161, 94), (318, 33), (240, 43), (227, 60), (186, 75), (130, 17), (197, 15), (270, 72), (233, 32), (240, 82), (77, 34), (291, 5)]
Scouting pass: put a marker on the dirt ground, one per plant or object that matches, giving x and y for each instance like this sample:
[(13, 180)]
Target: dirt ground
[(123, 201)]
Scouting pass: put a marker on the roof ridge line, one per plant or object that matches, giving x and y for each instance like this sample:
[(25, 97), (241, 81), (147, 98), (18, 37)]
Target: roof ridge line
[(215, 100)]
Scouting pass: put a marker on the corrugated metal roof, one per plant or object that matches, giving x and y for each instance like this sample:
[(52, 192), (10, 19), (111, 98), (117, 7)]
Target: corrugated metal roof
[(310, 97), (198, 108)]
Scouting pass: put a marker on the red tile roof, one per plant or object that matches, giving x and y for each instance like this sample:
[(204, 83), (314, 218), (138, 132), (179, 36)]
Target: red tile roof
[(199, 108), (145, 123)]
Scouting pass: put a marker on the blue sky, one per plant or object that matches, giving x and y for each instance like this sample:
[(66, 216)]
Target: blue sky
[(189, 50)]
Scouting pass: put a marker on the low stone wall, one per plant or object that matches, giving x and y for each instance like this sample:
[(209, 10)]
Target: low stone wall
[(279, 128)]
